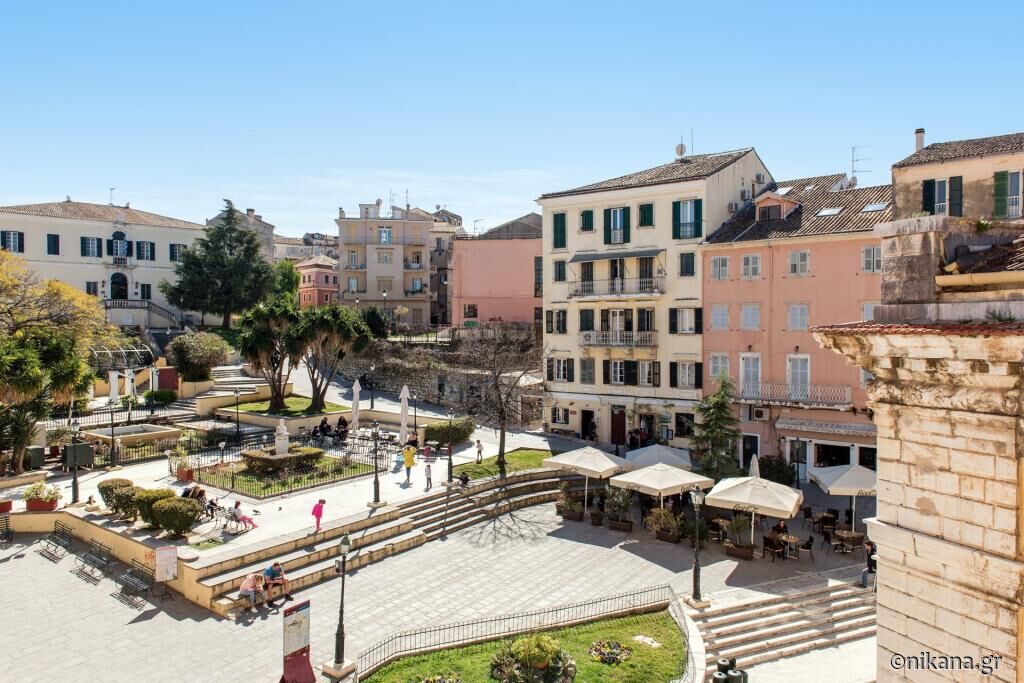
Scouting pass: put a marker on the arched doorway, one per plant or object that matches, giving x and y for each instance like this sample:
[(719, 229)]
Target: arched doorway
[(118, 286)]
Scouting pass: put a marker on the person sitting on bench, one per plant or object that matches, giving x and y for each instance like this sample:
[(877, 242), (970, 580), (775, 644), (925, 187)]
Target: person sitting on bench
[(252, 588), (274, 576), (241, 517)]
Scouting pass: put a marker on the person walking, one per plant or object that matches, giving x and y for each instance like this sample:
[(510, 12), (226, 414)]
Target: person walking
[(426, 471), (409, 459), (318, 512), (479, 452)]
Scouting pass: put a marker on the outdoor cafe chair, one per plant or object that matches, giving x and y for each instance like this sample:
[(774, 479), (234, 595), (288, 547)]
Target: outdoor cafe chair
[(829, 541), (808, 515), (806, 547), (769, 546)]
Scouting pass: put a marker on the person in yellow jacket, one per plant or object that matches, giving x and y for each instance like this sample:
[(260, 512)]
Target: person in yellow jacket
[(409, 458)]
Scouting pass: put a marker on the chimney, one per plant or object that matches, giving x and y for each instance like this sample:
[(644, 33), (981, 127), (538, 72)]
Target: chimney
[(341, 212), (259, 217), (919, 139), (250, 212)]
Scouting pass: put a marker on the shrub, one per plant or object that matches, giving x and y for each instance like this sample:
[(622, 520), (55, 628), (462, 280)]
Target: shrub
[(145, 499), (662, 519), (535, 658), (161, 397), (462, 428), (107, 487), (775, 468), (263, 461), (194, 355), (617, 503), (609, 652), (40, 491), (572, 505), (124, 500), (176, 515), (536, 651)]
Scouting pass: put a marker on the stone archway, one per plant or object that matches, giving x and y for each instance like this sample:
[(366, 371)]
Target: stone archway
[(118, 286)]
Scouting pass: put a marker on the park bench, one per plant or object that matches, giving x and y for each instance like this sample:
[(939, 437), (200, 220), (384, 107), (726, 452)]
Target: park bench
[(97, 558), (59, 540), (138, 579), (6, 534)]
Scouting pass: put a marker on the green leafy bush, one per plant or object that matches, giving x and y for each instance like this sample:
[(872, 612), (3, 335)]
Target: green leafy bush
[(263, 461), (145, 499), (40, 491), (536, 658), (609, 652), (161, 397), (124, 500), (107, 487), (617, 504), (663, 520), (194, 355), (775, 468), (536, 651), (461, 429), (176, 515)]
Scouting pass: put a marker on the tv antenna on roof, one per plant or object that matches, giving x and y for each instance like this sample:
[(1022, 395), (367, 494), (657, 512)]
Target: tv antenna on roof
[(112, 195), (853, 164)]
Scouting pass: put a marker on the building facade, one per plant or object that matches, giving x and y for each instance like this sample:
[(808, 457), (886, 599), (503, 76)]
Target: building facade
[(494, 275), (384, 261), (116, 253), (622, 294), (802, 254), (301, 248), (318, 281), (250, 220)]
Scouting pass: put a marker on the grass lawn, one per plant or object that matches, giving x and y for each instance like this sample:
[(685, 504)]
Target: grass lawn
[(519, 459), (293, 406), (645, 665), (325, 471)]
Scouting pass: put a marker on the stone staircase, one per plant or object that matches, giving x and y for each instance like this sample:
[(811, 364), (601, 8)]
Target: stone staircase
[(230, 377), (786, 626), (309, 559)]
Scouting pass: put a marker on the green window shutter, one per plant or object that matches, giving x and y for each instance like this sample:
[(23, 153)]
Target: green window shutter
[(607, 226), (587, 220), (656, 373), (559, 242), (673, 375), (606, 371), (83, 243), (1001, 188), (673, 324), (625, 225), (928, 196), (956, 196), (677, 229), (698, 217)]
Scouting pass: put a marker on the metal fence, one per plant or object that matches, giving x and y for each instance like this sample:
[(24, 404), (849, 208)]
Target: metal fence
[(101, 418), (190, 441), (447, 636)]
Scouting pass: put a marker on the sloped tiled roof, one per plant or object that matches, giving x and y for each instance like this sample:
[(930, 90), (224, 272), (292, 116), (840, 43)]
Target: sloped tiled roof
[(982, 329), (688, 168), (318, 260), (524, 227), (999, 258), (99, 212), (958, 149), (282, 239), (813, 195)]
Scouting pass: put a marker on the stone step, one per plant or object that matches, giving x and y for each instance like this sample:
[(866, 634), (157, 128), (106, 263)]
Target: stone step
[(784, 616), (837, 637), (756, 610), (441, 526), (760, 634), (758, 603), (431, 514)]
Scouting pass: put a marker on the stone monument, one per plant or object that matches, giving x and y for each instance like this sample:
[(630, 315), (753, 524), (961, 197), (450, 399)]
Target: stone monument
[(281, 439)]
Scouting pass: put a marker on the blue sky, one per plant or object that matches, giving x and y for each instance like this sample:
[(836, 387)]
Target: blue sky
[(297, 108)]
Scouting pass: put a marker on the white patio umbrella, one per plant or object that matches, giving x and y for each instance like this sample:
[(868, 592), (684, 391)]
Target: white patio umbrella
[(846, 480), (403, 431), (754, 494), (755, 467), (660, 480), (355, 406), (588, 461), (650, 455)]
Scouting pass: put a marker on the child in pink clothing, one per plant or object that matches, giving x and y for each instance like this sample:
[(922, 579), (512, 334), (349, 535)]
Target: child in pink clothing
[(318, 512), (245, 520)]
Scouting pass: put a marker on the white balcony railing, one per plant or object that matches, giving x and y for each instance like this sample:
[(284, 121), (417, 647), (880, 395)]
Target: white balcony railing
[(613, 338), (940, 208), (617, 287), (803, 394), (1013, 207)]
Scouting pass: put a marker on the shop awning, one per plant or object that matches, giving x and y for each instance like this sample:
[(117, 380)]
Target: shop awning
[(814, 426), (604, 255)]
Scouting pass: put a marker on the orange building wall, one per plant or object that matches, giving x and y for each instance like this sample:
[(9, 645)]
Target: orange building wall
[(497, 276)]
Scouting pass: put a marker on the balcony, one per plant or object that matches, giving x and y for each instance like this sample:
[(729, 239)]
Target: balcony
[(637, 286), (1013, 207), (373, 239), (360, 290), (794, 394), (620, 339), (354, 266), (416, 292), (409, 265)]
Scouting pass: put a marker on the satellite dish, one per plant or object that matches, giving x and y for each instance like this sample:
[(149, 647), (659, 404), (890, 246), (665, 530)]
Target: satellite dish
[(680, 150), (437, 207), (379, 202)]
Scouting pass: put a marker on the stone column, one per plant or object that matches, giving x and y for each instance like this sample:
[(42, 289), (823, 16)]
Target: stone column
[(947, 405), (112, 377)]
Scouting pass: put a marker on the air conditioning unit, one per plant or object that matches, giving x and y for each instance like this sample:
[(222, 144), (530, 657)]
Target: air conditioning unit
[(759, 177), (734, 207), (744, 195), (759, 414)]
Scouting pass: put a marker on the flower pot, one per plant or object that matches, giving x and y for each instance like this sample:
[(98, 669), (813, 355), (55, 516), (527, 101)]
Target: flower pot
[(619, 525), (667, 537), (185, 475), (596, 518), (574, 515), (5, 505), (36, 505), (54, 451), (740, 552), (558, 508)]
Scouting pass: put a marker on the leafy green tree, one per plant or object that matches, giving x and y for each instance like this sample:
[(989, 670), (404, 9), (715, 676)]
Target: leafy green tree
[(376, 320), (285, 282), (270, 342), (195, 355), (716, 433), (327, 334), (222, 272)]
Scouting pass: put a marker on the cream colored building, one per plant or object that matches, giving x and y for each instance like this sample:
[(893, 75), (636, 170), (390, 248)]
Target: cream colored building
[(301, 248), (385, 261), (116, 253), (622, 293)]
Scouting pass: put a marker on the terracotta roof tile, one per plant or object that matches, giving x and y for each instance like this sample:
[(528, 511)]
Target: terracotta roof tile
[(979, 329), (999, 258), (958, 149), (99, 212)]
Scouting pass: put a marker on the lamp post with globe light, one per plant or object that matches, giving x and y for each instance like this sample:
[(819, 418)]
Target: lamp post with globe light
[(697, 498)]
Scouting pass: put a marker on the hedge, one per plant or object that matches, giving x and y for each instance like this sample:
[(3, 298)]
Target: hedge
[(462, 428), (161, 397), (124, 500), (145, 499), (264, 461), (106, 489), (176, 515)]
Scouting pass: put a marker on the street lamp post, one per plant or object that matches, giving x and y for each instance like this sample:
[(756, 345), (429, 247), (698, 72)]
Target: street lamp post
[(113, 442), (376, 476), (415, 426), (451, 470), (697, 497), (339, 665), (373, 367), (74, 468), (238, 430)]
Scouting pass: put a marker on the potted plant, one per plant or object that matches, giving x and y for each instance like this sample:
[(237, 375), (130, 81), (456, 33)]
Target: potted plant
[(738, 527), (664, 525), (596, 517), (563, 495), (57, 438), (691, 532), (181, 465), (572, 509), (41, 498), (617, 505)]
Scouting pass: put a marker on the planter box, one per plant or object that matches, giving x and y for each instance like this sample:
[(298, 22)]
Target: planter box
[(597, 518), (35, 456), (185, 475), (667, 537), (5, 505), (576, 516), (35, 505), (740, 552), (620, 526)]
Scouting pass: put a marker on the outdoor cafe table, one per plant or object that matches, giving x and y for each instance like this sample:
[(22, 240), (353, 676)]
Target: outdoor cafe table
[(847, 536), (791, 542)]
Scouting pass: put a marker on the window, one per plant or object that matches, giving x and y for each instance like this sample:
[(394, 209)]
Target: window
[(865, 377), (561, 321), (831, 211), (798, 376), (720, 317), (586, 320), (383, 237), (92, 288), (719, 365), (334, 279), (868, 311), (53, 245), (92, 247), (750, 317), (383, 257), (769, 213), (750, 372), (645, 320), (686, 320), (645, 373), (559, 232), (684, 425), (176, 251), (562, 369), (798, 316), (384, 284), (353, 284), (646, 216), (560, 416), (146, 251), (145, 292), (587, 220), (538, 276), (618, 223), (686, 375), (720, 268), (686, 219), (559, 271), (872, 259), (468, 310), (587, 371), (13, 241), (877, 206), (687, 264), (799, 263), (417, 284), (618, 369), (751, 266)]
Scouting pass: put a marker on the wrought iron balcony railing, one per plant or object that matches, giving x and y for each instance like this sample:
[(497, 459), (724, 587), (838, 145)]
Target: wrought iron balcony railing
[(613, 338), (801, 394), (617, 287)]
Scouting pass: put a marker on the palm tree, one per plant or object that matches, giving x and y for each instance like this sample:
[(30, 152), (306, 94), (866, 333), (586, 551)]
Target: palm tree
[(328, 334), (270, 343)]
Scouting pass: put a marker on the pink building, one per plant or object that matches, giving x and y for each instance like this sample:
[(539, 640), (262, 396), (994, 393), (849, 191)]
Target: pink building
[(800, 255), (497, 276)]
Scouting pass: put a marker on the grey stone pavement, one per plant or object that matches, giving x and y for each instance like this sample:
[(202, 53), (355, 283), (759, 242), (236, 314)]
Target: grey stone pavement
[(61, 627)]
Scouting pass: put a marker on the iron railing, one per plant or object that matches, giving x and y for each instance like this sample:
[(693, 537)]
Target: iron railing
[(1013, 207), (354, 266), (816, 394), (374, 239), (412, 266), (614, 338), (617, 287), (446, 636)]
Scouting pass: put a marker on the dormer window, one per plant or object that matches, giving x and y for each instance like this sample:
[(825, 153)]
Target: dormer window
[(769, 213)]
